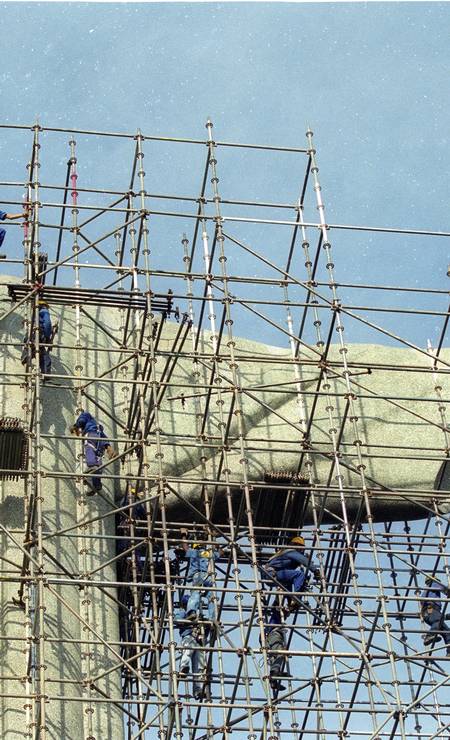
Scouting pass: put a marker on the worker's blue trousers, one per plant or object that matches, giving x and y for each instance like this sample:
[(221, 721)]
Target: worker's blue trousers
[(291, 579), (202, 579), (45, 361), (435, 620), (93, 460), (2, 236), (193, 655)]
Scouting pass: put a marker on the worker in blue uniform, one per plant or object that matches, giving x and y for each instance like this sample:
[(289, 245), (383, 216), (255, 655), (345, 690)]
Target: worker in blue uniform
[(9, 217), (200, 572), (47, 333), (290, 566), (192, 656), (95, 445), (431, 612)]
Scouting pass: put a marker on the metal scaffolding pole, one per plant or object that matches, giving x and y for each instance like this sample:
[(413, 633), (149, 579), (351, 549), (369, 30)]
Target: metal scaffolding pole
[(225, 445)]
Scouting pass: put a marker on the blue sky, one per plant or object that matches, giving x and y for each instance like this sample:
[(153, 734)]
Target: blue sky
[(370, 79)]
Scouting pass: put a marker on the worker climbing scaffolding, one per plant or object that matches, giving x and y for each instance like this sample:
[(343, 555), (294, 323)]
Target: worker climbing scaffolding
[(288, 570), (289, 566), (96, 444), (192, 655), (47, 333), (432, 611), (201, 558)]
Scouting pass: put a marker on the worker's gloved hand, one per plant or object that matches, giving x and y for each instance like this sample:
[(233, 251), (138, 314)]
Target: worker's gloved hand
[(316, 574)]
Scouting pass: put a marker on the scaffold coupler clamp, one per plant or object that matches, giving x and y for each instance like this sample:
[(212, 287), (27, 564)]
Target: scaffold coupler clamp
[(336, 305)]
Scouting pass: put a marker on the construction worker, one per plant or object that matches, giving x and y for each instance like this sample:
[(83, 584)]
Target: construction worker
[(275, 634), (47, 333), (200, 573), (432, 614), (290, 566), (9, 217), (95, 445), (192, 656)]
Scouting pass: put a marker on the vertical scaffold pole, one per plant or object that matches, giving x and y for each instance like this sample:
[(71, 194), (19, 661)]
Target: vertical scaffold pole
[(82, 509), (237, 395), (173, 703), (37, 449), (133, 538), (222, 426), (310, 468), (27, 591), (309, 464), (353, 418)]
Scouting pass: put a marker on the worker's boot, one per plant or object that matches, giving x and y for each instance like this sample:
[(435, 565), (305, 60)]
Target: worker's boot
[(276, 641), (279, 669), (202, 692), (94, 484), (431, 637)]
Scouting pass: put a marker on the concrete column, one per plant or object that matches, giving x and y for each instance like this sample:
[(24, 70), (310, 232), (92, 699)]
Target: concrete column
[(71, 648)]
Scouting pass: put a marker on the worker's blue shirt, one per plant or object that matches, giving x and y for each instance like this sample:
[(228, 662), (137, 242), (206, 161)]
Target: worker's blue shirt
[(291, 559), (3, 215), (45, 325), (90, 428), (87, 424), (200, 559), (429, 595), (184, 627)]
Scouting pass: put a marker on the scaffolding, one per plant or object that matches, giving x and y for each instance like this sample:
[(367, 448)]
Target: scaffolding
[(229, 444)]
